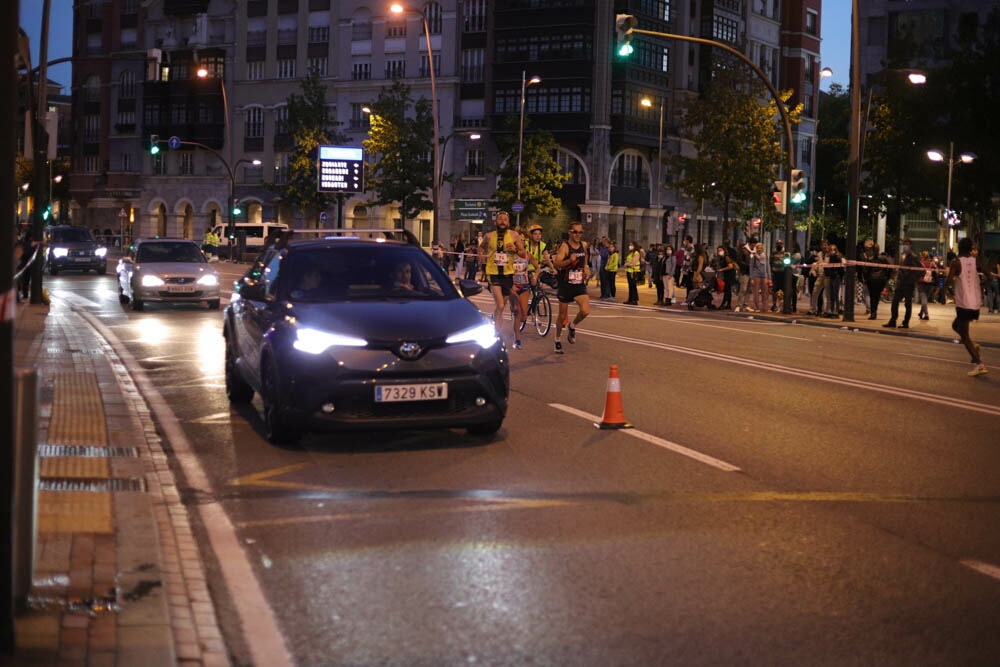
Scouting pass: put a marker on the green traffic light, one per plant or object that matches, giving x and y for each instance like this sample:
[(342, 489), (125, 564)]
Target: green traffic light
[(237, 210), (154, 149), (798, 197), (625, 50)]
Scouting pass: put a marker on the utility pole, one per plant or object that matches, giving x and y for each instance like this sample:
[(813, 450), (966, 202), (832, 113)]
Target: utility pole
[(40, 143)]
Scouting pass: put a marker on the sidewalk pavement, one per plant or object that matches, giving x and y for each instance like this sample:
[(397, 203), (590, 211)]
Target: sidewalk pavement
[(985, 331), (117, 578)]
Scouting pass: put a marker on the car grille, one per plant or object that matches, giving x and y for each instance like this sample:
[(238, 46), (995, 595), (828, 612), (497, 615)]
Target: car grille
[(179, 280), (359, 408), (80, 253)]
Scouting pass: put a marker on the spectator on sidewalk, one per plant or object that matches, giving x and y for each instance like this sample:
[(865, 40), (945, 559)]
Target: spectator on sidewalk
[(817, 273), (777, 273), (834, 273), (669, 270), (992, 273), (925, 284), (876, 278), (725, 270), (604, 250), (611, 271), (906, 281), (760, 271), (743, 265), (633, 272)]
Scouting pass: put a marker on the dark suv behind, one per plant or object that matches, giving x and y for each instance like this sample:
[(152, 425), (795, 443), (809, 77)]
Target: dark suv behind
[(73, 249)]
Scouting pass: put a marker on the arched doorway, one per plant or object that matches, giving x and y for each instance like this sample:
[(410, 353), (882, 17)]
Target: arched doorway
[(188, 222), (160, 220)]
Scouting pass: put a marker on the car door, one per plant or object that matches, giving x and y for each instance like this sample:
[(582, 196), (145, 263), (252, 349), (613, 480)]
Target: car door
[(256, 307)]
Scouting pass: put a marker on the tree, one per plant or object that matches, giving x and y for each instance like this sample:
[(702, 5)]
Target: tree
[(398, 145), (829, 177), (310, 127), (733, 128), (541, 175)]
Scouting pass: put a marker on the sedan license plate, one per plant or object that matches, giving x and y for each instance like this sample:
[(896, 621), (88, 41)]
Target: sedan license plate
[(81, 259), (411, 392), (180, 289)]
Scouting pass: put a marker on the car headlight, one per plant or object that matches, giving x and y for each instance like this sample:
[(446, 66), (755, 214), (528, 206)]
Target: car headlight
[(60, 252), (484, 335), (150, 280), (209, 280), (101, 252), (314, 341)]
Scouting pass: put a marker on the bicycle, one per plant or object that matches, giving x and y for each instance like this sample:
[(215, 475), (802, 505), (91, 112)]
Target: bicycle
[(539, 310)]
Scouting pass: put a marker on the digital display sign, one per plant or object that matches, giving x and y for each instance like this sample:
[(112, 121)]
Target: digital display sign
[(341, 169)]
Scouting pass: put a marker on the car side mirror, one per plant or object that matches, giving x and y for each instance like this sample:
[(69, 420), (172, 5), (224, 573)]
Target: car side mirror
[(468, 287), (251, 290)]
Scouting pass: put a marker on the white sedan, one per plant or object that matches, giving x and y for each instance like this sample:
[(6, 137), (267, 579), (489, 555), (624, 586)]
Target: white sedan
[(166, 271)]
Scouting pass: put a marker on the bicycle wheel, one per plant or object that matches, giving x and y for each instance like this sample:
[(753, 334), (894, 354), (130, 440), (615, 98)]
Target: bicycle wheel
[(543, 314)]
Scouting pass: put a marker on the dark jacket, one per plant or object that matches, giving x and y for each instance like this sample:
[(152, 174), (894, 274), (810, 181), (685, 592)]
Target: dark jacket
[(907, 278)]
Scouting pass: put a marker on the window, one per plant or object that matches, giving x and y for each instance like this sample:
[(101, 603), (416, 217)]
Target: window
[(126, 162), (396, 27), (92, 89), (281, 120), (92, 128), (474, 16), (318, 66), (628, 171), (812, 22), (432, 14), (658, 9), (725, 29), (254, 122), (361, 71), (395, 69), (359, 119), (90, 164), (361, 32), (160, 164), (472, 65), (94, 43), (319, 34), (126, 85), (281, 168), (129, 7), (286, 68), (187, 163), (128, 38), (475, 162), (255, 70), (179, 114), (425, 71), (125, 120)]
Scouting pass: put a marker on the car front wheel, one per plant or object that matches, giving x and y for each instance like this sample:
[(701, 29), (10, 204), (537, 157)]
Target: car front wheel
[(276, 427), (237, 391)]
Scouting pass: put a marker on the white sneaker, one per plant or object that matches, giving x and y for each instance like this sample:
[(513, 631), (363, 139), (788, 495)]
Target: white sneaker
[(978, 370)]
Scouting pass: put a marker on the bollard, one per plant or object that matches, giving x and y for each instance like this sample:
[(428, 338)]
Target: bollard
[(25, 481)]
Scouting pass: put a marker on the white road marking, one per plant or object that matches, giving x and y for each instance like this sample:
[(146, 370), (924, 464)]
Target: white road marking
[(981, 567), (659, 442), (899, 392)]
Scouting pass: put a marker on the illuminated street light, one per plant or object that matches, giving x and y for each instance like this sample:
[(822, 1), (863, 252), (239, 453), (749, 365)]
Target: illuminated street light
[(397, 8), (648, 103), (520, 136), (965, 158)]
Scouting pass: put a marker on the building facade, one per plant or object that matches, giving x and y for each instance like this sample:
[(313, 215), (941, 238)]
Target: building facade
[(211, 79)]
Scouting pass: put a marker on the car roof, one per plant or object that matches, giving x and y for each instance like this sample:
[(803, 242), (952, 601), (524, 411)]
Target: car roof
[(317, 238), (157, 239)]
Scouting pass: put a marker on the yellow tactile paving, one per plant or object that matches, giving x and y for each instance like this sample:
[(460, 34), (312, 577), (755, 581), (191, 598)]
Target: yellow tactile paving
[(77, 411), (74, 467), (74, 512)]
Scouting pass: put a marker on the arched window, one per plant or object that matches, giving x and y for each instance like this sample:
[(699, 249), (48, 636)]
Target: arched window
[(92, 89)]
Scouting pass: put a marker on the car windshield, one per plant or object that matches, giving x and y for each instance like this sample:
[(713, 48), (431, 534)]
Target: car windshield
[(182, 251), (353, 272), (72, 235)]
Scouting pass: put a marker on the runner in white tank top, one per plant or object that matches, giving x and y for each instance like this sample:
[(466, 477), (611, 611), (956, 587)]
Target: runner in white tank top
[(962, 272)]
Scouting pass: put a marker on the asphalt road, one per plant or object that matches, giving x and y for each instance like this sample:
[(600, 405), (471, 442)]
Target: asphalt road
[(788, 495)]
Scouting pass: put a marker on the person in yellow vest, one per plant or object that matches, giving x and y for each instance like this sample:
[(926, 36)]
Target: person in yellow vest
[(210, 244), (496, 253)]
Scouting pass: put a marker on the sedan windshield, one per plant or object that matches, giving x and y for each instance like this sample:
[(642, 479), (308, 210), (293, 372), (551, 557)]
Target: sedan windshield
[(363, 272), (72, 235), (182, 251)]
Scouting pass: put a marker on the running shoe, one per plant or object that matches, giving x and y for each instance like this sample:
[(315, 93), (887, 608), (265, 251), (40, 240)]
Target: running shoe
[(978, 370), (558, 349), (517, 345), (571, 337)]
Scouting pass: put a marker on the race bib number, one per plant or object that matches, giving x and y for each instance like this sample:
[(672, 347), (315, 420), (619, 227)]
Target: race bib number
[(500, 259), (575, 277)]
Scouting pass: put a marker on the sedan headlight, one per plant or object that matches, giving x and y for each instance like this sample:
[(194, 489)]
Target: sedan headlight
[(209, 280), (314, 341), (60, 252), (150, 280), (484, 335), (101, 252)]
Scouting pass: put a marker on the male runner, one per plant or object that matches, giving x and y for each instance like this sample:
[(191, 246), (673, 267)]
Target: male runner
[(497, 253), (573, 267)]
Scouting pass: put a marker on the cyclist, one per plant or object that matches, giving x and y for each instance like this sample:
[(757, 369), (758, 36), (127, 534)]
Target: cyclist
[(496, 254), (571, 263), (536, 248)]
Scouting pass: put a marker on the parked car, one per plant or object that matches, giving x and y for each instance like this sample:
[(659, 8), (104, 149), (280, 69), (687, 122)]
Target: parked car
[(166, 270), (255, 236), (361, 330), (73, 249)]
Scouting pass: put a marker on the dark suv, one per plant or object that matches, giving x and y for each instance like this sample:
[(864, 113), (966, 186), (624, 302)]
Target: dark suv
[(73, 249), (361, 330)]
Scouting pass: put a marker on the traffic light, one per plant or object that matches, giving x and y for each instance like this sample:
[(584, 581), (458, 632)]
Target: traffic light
[(154, 144), (623, 25), (798, 186), (779, 196), (47, 213), (236, 207), (786, 259)]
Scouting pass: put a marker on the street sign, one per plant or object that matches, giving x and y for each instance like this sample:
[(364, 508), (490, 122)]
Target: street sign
[(341, 169), (517, 206), (174, 142), (123, 214), (470, 209), (323, 217)]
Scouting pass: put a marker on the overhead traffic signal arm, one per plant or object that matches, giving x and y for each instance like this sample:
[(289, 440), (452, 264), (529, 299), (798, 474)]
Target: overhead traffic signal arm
[(624, 24)]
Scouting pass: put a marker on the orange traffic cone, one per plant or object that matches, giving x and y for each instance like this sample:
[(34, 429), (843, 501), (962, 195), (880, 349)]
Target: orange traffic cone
[(614, 415)]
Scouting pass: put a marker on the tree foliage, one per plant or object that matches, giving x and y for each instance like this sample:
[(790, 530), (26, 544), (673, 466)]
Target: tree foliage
[(541, 175), (310, 127), (735, 128), (400, 167)]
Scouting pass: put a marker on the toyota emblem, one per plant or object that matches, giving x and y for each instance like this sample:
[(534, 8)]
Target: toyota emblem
[(410, 350)]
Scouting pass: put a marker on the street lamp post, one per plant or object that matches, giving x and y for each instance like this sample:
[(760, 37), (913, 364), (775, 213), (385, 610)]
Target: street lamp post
[(397, 8), (648, 103), (525, 82), (938, 156)]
